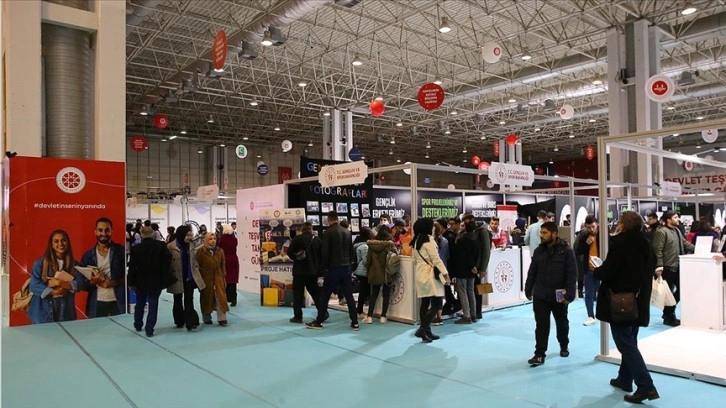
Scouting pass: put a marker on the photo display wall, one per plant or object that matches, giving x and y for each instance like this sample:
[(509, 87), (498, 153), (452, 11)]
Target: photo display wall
[(352, 202)]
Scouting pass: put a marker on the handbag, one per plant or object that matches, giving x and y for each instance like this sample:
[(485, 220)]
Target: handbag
[(21, 298), (623, 306), (302, 254), (484, 288)]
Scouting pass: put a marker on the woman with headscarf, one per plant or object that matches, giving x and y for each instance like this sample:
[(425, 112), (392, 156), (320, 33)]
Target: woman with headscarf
[(228, 243), (211, 264), (51, 282), (627, 268), (187, 279), (429, 288)]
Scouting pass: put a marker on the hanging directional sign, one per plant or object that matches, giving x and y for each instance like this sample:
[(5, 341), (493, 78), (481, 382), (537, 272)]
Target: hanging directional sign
[(219, 50), (430, 96), (709, 135), (511, 174), (343, 174), (139, 144)]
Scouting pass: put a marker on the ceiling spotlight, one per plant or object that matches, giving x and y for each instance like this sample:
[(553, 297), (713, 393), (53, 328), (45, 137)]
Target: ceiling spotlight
[(671, 108), (454, 112), (145, 110), (399, 124), (463, 160), (356, 61), (502, 122), (698, 146), (597, 82), (200, 151), (211, 119), (259, 156), (379, 98), (398, 160), (428, 145), (676, 134), (245, 138), (464, 151), (512, 100), (277, 128), (218, 70), (266, 39), (222, 145), (427, 155), (310, 143), (183, 131), (444, 27), (551, 161), (526, 56), (302, 84), (172, 137), (592, 120), (447, 132), (393, 141), (438, 81), (556, 149), (689, 9), (326, 113), (483, 137), (716, 149), (163, 139), (699, 117), (572, 136), (390, 152), (537, 129), (254, 103)]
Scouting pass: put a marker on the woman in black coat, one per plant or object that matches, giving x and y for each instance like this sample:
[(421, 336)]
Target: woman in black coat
[(628, 268)]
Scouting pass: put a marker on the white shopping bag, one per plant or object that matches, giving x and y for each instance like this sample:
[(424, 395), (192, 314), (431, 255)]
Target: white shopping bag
[(659, 293), (669, 299)]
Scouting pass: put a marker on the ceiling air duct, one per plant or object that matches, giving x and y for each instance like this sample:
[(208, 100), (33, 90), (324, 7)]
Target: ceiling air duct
[(249, 52)]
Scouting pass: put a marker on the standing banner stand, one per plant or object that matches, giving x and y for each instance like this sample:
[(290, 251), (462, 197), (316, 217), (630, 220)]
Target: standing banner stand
[(505, 275)]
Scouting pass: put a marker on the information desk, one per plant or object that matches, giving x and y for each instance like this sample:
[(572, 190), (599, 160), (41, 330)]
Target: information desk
[(702, 292), (505, 275)]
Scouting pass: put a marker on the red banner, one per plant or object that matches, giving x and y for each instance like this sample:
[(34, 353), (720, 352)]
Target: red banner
[(284, 173), (53, 208)]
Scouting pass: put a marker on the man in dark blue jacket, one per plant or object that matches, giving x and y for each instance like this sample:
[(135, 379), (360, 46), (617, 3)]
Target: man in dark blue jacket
[(551, 285)]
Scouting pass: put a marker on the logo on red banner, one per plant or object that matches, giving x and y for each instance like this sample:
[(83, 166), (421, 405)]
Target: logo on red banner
[(590, 152), (139, 144), (219, 50), (496, 148), (284, 174), (70, 180), (659, 88), (430, 96)]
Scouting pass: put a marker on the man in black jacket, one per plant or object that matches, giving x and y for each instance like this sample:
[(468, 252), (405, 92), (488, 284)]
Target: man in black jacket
[(553, 269), (305, 271), (149, 274), (484, 236), (336, 261)]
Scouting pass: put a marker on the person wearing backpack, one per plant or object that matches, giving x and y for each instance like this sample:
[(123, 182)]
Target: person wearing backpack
[(304, 251), (360, 244), (378, 278)]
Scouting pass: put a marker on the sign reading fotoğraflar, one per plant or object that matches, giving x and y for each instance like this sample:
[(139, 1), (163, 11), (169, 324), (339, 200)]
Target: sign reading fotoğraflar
[(511, 174), (343, 174)]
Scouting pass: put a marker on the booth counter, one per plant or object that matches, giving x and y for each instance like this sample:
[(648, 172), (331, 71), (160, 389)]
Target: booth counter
[(403, 305), (703, 291)]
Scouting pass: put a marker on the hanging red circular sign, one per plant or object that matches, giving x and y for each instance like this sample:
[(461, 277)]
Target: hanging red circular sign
[(659, 88), (430, 96), (139, 144), (219, 50), (512, 139), (161, 121)]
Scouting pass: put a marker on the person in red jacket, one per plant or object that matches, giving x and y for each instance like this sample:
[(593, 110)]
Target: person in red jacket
[(228, 243)]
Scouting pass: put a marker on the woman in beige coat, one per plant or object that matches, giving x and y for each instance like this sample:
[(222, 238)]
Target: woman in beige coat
[(428, 288), (210, 261)]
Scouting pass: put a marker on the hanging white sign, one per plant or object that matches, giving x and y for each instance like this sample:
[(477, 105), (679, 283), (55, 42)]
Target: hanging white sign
[(511, 174), (709, 135), (491, 52), (208, 193), (343, 174), (670, 188), (660, 88), (567, 112)]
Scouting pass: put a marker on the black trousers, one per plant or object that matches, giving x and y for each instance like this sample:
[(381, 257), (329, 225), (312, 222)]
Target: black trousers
[(375, 289), (104, 309), (542, 312), (231, 290), (183, 309), (299, 284), (430, 306), (673, 277), (452, 304), (363, 293)]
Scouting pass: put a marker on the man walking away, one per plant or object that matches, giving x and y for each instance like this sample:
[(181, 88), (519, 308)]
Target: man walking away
[(551, 285), (149, 273), (304, 271)]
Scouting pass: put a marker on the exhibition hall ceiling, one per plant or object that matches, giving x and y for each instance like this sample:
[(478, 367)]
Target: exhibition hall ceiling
[(260, 101)]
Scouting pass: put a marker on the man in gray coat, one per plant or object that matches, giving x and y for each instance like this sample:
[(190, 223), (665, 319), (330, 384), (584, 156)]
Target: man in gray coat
[(484, 236), (668, 244)]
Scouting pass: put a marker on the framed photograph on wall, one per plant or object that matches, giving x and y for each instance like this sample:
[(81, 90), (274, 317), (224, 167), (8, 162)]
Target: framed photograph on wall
[(312, 207), (354, 210), (327, 207), (313, 219), (341, 208)]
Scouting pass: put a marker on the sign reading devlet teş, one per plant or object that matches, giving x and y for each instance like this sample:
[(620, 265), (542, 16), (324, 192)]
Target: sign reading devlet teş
[(343, 174), (511, 174)]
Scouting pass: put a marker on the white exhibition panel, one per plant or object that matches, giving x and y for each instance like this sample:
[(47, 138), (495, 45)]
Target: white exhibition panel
[(160, 215), (505, 274), (702, 292), (219, 214), (526, 261), (201, 214), (137, 212), (176, 215), (231, 214), (403, 305)]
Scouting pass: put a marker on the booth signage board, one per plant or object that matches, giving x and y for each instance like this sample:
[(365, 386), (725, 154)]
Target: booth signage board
[(276, 265), (511, 174), (284, 174), (507, 216), (430, 96), (343, 174), (219, 50), (482, 206), (139, 143), (670, 188), (208, 193), (393, 202), (435, 204), (350, 202)]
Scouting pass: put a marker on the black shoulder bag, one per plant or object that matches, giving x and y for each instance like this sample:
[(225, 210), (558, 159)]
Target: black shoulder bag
[(437, 272), (302, 254)]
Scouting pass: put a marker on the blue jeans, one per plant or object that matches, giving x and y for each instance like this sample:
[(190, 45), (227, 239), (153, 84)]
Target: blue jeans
[(141, 299), (592, 285), (336, 277), (632, 366)]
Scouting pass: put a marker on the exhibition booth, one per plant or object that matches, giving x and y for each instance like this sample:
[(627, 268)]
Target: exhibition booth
[(695, 349)]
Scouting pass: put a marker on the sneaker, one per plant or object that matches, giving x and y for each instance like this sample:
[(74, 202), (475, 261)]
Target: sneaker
[(368, 320), (589, 322), (361, 315), (342, 302), (437, 322), (355, 326), (383, 320), (296, 320), (672, 322), (564, 352), (463, 320), (536, 361), (314, 325)]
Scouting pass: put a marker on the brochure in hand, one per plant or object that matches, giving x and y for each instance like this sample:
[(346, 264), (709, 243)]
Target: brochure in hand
[(87, 271), (595, 261)]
